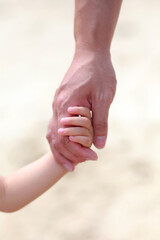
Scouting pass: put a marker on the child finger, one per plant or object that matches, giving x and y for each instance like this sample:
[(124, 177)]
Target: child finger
[(74, 131), (76, 121), (83, 111), (83, 140)]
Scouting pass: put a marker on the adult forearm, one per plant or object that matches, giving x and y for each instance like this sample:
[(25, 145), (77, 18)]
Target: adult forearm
[(95, 22)]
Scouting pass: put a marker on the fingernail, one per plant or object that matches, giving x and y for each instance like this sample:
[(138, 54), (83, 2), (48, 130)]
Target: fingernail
[(70, 109), (60, 130), (63, 120), (68, 167), (100, 141), (71, 138)]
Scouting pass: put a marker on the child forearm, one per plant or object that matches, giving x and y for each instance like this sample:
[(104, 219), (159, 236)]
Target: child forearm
[(31, 181), (28, 183)]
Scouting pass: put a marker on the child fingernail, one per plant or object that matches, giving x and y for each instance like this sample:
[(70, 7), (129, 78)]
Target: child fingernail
[(70, 109), (60, 130), (71, 138), (63, 120)]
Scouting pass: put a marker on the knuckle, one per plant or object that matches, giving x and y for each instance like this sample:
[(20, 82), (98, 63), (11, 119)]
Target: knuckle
[(54, 144), (59, 101), (100, 126), (49, 135), (57, 143), (110, 97), (65, 141)]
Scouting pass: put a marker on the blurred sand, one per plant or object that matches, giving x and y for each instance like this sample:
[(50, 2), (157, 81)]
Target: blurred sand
[(118, 197)]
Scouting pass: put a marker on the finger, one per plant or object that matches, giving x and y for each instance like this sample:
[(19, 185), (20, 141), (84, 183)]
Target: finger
[(83, 140), (64, 150), (82, 152), (83, 111), (100, 123), (75, 131), (72, 151), (77, 152), (76, 121), (59, 145)]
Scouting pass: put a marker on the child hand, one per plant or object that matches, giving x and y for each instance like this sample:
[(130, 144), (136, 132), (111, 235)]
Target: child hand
[(78, 127)]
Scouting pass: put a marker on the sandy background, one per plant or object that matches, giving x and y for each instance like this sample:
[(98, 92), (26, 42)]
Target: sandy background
[(118, 197)]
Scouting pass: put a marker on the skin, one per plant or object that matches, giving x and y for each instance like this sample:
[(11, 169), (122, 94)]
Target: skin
[(29, 182), (90, 81)]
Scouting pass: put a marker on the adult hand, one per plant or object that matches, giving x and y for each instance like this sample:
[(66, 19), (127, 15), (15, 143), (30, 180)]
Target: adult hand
[(89, 82)]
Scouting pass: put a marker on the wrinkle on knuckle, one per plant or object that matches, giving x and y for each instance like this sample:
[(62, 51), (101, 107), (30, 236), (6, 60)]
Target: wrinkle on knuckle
[(54, 144), (58, 99), (100, 126), (110, 96), (101, 97), (65, 141)]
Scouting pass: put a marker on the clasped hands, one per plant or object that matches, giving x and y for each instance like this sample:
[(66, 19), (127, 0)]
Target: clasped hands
[(90, 82), (77, 127)]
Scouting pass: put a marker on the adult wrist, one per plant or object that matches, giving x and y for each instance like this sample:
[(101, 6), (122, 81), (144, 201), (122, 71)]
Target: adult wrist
[(90, 52), (92, 47)]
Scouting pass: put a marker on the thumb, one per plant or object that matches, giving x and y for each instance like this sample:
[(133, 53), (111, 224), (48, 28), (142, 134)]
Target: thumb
[(100, 123)]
